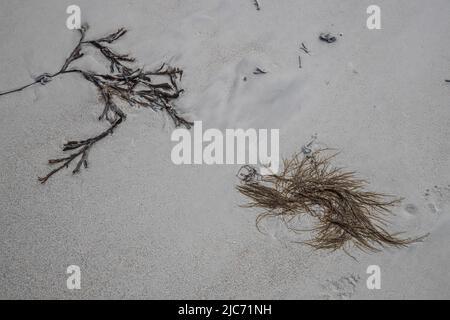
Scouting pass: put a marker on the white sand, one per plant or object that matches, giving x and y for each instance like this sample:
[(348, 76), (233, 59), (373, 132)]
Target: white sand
[(140, 227)]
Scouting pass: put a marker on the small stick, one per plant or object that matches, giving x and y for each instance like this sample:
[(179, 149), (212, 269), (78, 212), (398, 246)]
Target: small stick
[(447, 81), (304, 48), (258, 7), (124, 82), (300, 62), (19, 89)]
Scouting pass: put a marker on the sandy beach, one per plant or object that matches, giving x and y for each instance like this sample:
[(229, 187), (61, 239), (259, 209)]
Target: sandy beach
[(139, 226)]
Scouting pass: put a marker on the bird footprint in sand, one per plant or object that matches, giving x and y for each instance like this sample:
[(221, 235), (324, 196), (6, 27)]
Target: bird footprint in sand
[(438, 199), (341, 289)]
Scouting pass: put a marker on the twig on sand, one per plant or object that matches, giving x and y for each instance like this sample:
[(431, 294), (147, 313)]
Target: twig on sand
[(300, 62), (258, 7), (447, 81), (343, 213), (132, 85)]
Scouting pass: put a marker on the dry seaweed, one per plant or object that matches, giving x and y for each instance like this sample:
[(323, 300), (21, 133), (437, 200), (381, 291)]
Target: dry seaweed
[(304, 49), (342, 212), (132, 85)]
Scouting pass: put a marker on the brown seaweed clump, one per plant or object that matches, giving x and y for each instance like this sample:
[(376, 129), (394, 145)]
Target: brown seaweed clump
[(341, 213)]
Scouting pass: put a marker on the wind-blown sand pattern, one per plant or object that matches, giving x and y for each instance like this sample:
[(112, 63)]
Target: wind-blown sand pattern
[(140, 227)]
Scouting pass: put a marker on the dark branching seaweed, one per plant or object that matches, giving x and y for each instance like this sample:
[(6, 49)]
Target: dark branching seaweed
[(343, 213), (327, 37), (131, 85), (304, 48)]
